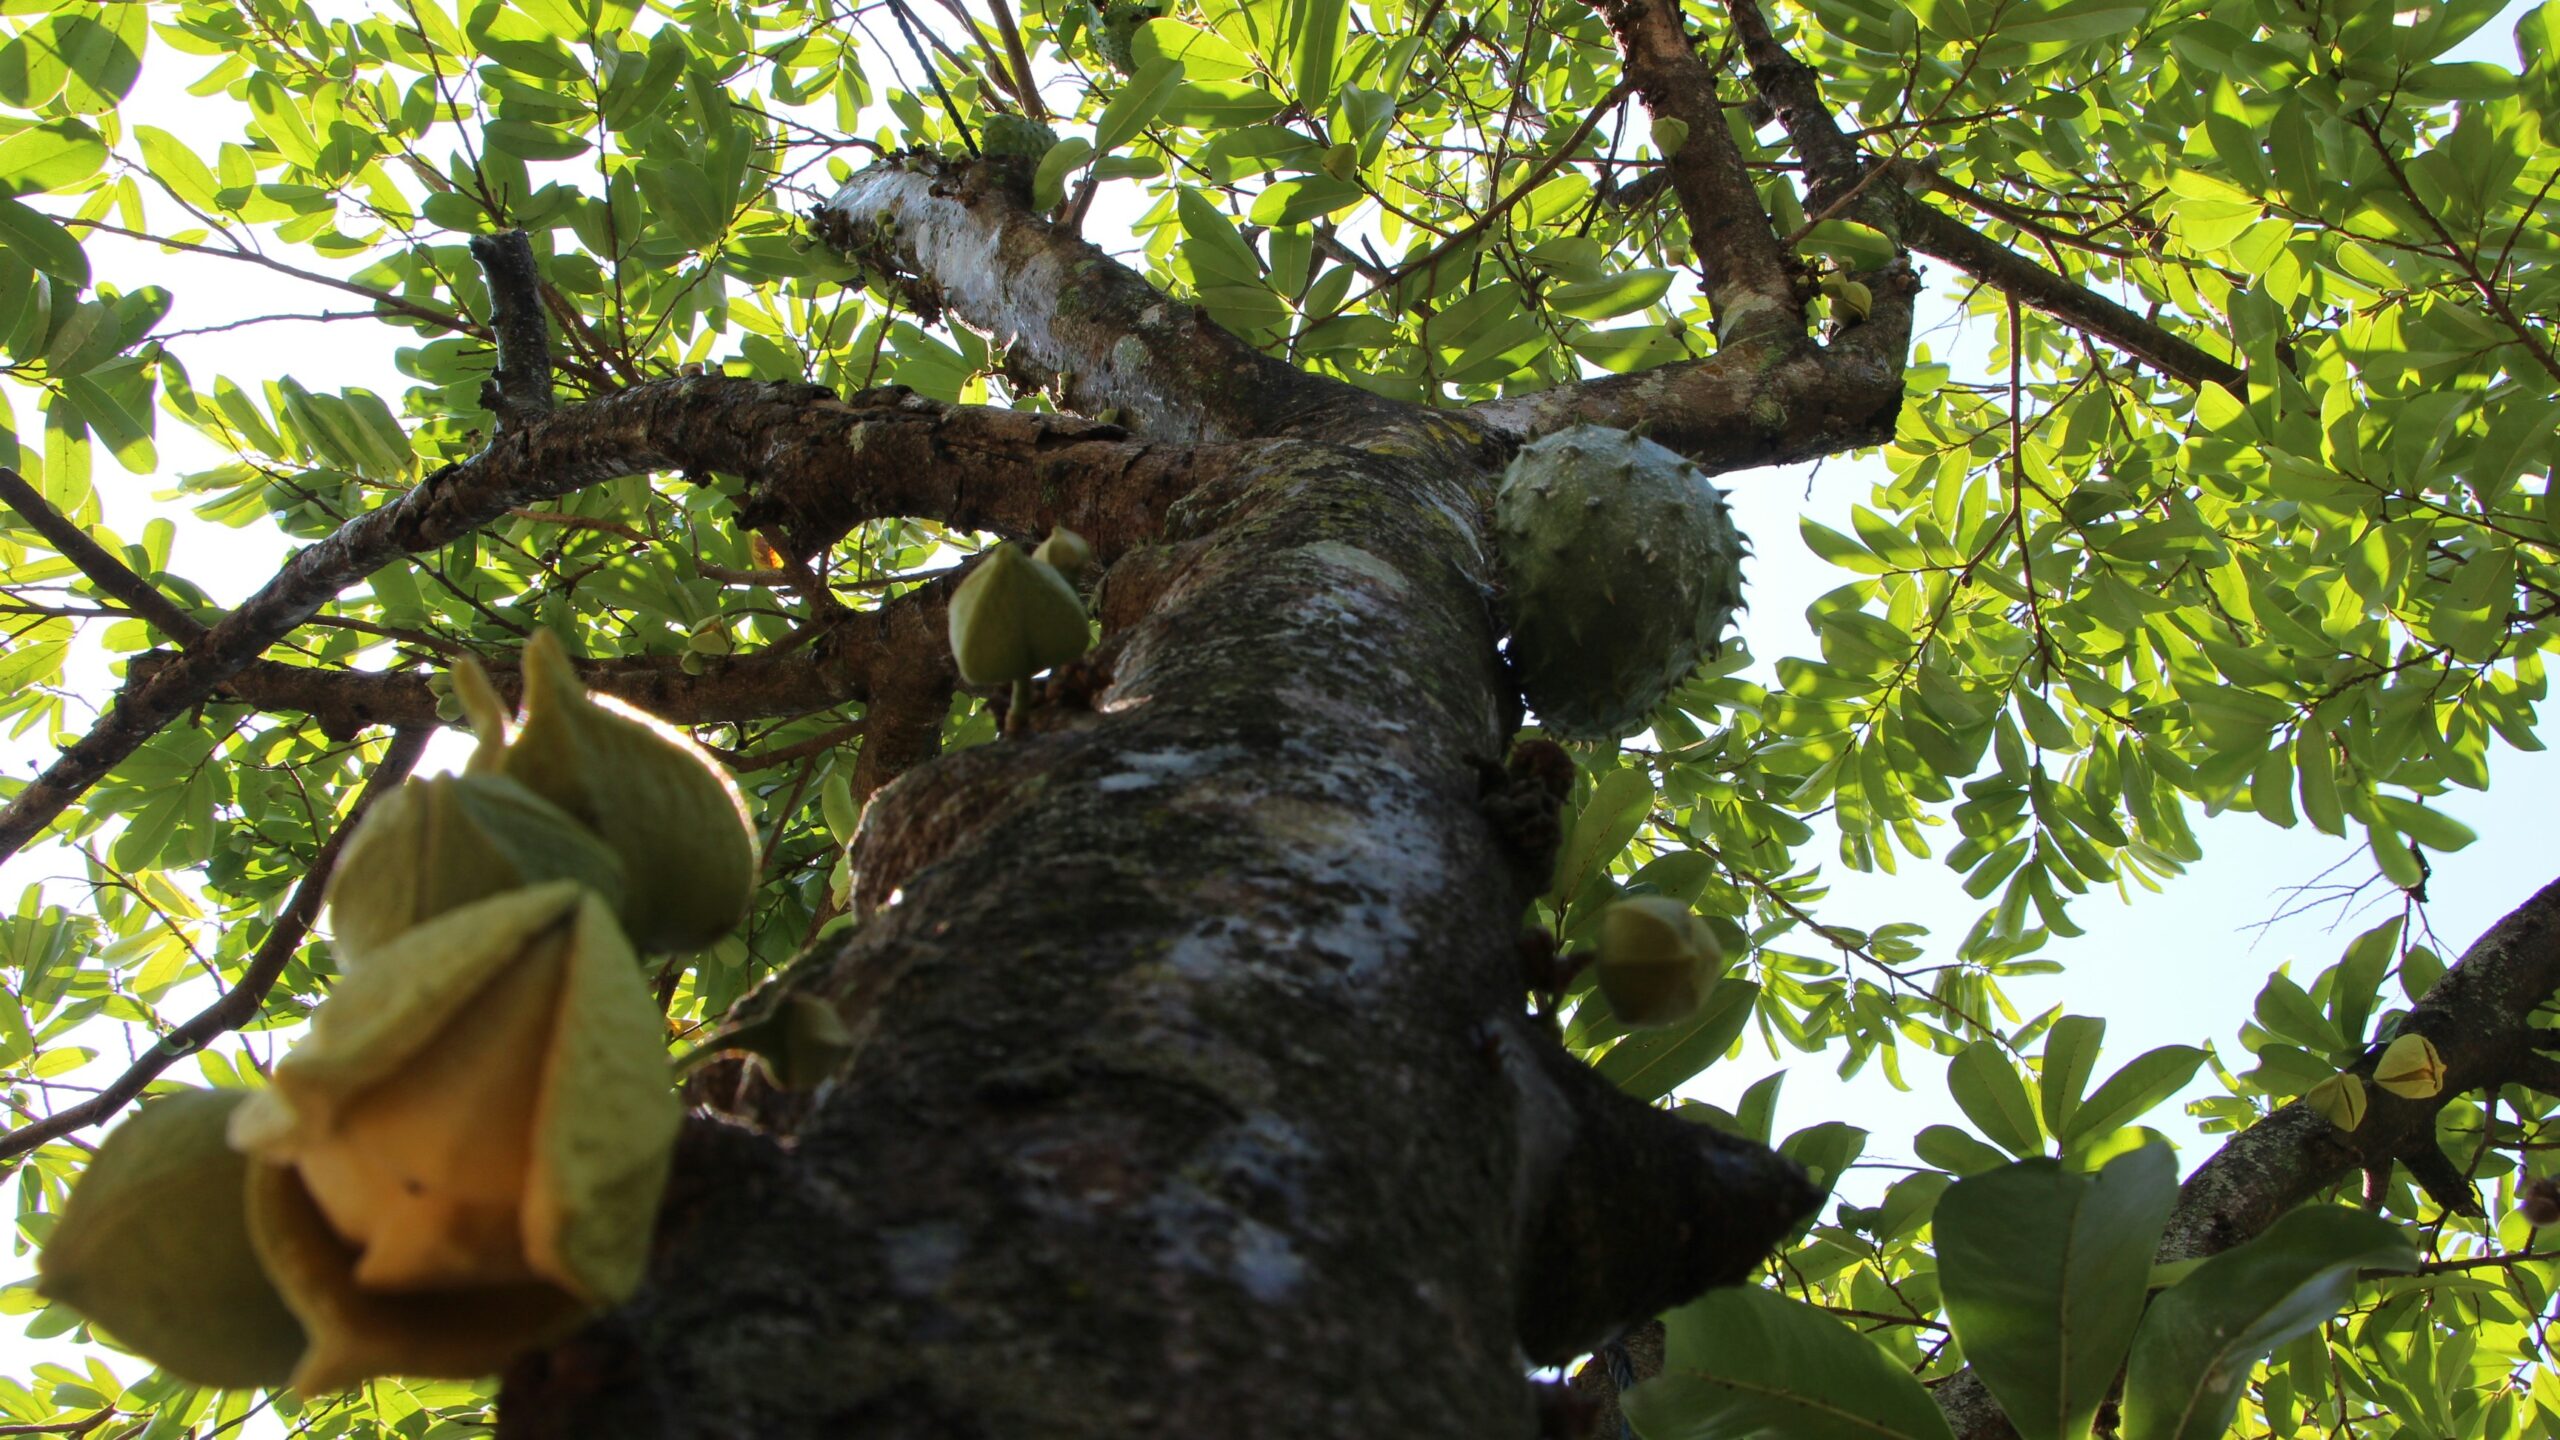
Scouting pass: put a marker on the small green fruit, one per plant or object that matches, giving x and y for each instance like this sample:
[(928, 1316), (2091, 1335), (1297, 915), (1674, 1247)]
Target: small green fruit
[(1669, 134), (154, 1248), (1657, 960), (1014, 617), (1342, 161), (711, 637)]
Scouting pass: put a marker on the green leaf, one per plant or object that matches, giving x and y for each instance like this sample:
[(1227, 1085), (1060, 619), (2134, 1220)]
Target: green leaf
[(1293, 202), (682, 195), (1202, 54), (1745, 1363), (2148, 1079), (1321, 27), (37, 240), (176, 166), (2043, 1272), (1610, 297), (2431, 828), (1136, 104), (1650, 1064), (54, 156), (1049, 182), (1219, 105), (2195, 1349), (1991, 1094), (1956, 1151), (101, 57), (2070, 1056), (1619, 802)]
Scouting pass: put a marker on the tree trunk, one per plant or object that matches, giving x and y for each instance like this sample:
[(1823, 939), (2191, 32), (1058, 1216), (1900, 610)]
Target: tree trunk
[(1195, 1091)]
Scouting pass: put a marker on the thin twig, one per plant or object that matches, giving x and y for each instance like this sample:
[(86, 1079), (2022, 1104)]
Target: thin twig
[(248, 995)]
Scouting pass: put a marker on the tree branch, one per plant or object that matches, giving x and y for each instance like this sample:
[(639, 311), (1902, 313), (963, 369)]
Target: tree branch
[(1771, 401), (693, 425), (518, 391), (2480, 1018), (1750, 280), (110, 575), (247, 995), (1113, 340), (1015, 472), (1792, 88), (1837, 166), (836, 667), (1933, 232), (1598, 1167)]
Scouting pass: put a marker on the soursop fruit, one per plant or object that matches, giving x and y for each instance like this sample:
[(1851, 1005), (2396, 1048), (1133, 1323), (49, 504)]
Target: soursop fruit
[(1620, 570), (1015, 137), (1118, 37)]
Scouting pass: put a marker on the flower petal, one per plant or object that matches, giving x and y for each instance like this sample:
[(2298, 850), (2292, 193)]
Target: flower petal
[(356, 1334), (607, 1125)]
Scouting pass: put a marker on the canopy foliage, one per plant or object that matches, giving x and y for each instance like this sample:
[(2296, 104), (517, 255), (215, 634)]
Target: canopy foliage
[(2234, 495)]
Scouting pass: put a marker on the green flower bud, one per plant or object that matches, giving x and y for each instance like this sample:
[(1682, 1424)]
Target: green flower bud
[(433, 845), (669, 810), (1013, 618), (711, 637), (1066, 552), (1657, 960), (2340, 1099), (154, 1248)]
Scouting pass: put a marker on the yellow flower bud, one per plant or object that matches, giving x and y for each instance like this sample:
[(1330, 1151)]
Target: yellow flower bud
[(435, 844), (153, 1247), (1013, 618), (1657, 960), (2410, 1068), (466, 1152), (2340, 1099), (669, 810)]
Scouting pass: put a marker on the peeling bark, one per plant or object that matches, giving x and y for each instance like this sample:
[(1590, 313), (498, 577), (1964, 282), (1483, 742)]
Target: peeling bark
[(1112, 340)]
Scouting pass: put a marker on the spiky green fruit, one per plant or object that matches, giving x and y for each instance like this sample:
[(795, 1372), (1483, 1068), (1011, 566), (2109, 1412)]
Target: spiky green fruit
[(1620, 571), (1015, 137), (1117, 38)]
